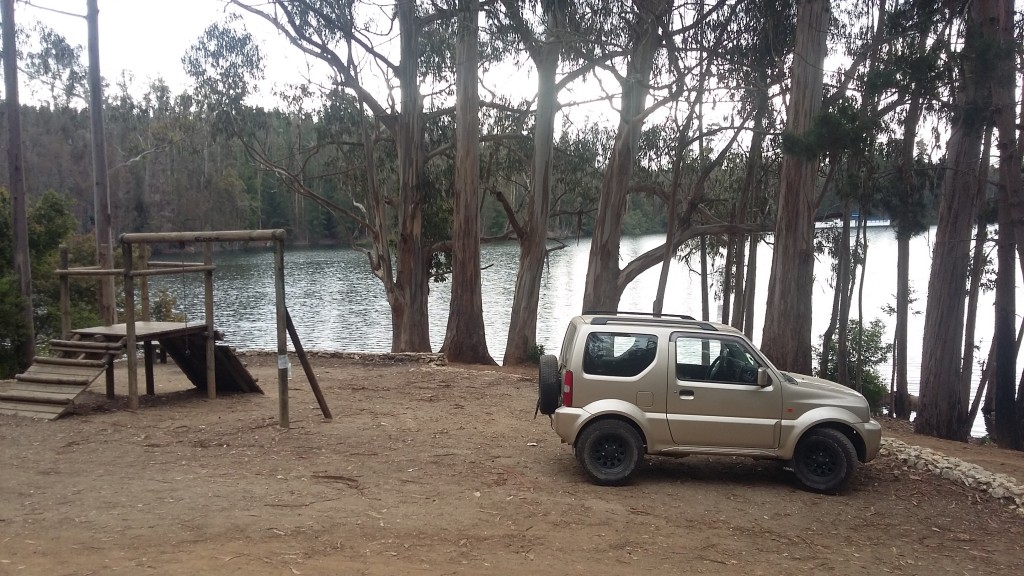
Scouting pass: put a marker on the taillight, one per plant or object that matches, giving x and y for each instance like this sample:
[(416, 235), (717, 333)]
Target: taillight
[(567, 389)]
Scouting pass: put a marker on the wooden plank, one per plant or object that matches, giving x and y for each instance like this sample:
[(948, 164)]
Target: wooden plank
[(54, 388), (40, 397), (45, 369), (28, 414), (85, 345), (34, 407), (69, 362), (53, 380)]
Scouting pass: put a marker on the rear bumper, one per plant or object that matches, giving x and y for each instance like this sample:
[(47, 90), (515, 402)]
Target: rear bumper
[(566, 422)]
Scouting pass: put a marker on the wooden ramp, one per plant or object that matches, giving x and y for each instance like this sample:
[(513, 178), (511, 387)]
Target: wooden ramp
[(189, 352), (49, 387)]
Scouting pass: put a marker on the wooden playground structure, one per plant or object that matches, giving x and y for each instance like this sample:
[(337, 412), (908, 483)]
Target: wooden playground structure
[(50, 386)]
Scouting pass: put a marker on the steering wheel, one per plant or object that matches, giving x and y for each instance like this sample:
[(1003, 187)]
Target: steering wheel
[(713, 369)]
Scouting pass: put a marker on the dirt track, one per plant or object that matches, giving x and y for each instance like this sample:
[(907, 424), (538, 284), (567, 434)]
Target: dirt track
[(443, 470)]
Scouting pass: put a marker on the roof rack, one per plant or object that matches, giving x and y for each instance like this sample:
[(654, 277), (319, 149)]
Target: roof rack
[(648, 314), (604, 320)]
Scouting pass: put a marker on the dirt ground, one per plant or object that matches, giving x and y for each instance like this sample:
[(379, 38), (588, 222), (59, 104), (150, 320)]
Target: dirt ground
[(444, 470)]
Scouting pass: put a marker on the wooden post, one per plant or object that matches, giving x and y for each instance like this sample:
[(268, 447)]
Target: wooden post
[(110, 377), (144, 283), (65, 295), (211, 367), (282, 336), (147, 358), (310, 375), (129, 324)]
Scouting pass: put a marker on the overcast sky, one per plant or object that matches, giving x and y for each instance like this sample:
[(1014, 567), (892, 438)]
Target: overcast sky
[(149, 37)]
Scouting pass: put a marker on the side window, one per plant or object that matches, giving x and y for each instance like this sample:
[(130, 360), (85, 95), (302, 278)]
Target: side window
[(715, 360), (625, 355)]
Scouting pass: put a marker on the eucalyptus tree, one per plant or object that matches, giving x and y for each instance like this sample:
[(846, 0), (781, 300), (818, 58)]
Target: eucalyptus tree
[(656, 36), (944, 398), (912, 61), (1006, 51), (787, 325), (544, 47), (464, 339), (356, 42), (19, 201)]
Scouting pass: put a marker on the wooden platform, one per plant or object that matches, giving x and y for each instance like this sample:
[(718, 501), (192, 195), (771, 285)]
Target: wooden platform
[(50, 386)]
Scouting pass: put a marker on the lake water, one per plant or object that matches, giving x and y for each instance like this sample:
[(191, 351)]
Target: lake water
[(338, 305)]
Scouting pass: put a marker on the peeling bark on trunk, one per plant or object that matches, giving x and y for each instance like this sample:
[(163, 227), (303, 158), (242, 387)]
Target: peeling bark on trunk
[(786, 339), (465, 340), (409, 297)]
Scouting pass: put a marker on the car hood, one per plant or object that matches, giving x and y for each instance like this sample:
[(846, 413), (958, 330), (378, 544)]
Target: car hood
[(809, 392)]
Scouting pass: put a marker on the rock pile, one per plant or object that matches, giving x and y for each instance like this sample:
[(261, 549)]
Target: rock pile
[(999, 486)]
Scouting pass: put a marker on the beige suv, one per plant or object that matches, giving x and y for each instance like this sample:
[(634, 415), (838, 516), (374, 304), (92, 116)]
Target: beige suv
[(625, 385)]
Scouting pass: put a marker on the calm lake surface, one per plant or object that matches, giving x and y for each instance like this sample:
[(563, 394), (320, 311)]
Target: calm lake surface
[(337, 304)]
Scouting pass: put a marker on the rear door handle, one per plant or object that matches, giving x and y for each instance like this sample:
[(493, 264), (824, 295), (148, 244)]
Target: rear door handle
[(686, 394)]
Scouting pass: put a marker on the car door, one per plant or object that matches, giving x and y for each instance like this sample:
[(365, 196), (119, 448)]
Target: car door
[(713, 396)]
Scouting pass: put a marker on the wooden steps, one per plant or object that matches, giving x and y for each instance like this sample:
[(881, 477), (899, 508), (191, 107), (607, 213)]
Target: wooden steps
[(50, 385)]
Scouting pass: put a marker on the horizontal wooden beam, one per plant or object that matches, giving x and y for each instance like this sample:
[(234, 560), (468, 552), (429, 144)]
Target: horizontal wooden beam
[(213, 236), (91, 271)]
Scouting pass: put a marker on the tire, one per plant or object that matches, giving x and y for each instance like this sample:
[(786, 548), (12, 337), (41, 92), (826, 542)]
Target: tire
[(549, 386), (825, 461), (609, 452)]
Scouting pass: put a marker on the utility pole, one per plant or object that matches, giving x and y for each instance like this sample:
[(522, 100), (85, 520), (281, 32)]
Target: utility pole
[(101, 186), (19, 203)]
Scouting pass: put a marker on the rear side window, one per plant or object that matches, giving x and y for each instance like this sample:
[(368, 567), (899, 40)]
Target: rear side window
[(608, 354), (567, 342)]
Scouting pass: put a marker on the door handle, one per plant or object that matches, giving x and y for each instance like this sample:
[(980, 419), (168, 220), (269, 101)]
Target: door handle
[(686, 394)]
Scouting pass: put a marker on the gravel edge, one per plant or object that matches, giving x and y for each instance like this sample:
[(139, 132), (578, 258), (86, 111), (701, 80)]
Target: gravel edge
[(998, 486)]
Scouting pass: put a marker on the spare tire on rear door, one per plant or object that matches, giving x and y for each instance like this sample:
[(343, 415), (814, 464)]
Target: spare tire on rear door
[(549, 388)]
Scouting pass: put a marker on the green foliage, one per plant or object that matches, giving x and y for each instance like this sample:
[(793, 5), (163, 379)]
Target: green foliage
[(50, 223), (867, 346), (536, 351)]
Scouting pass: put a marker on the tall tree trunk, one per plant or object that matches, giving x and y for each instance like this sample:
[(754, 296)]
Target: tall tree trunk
[(1009, 411), (843, 288), (786, 339), (977, 269), (602, 291), (409, 319), (941, 409), (905, 230), (522, 329), (465, 340), (750, 290), (101, 186), (738, 280), (26, 344), (705, 298), (727, 279)]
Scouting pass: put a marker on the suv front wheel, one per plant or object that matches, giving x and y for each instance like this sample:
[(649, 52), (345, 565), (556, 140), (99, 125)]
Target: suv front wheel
[(825, 460), (609, 451)]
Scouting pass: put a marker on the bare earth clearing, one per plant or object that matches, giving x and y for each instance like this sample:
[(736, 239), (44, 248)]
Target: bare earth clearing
[(443, 470)]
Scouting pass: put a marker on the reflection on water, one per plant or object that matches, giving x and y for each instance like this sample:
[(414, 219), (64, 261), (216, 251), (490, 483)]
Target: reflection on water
[(337, 304)]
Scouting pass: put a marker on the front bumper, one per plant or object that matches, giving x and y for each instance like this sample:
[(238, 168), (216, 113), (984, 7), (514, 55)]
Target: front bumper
[(871, 431)]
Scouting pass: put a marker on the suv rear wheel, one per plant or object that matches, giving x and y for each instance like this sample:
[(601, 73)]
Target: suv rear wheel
[(609, 451), (825, 460)]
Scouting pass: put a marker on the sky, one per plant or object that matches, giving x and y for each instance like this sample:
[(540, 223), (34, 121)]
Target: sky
[(149, 37)]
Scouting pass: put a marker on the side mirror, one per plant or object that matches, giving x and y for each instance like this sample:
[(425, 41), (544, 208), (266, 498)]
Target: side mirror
[(763, 378)]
